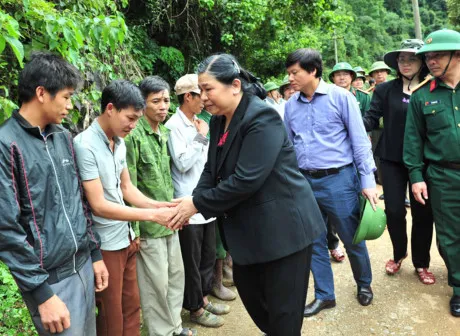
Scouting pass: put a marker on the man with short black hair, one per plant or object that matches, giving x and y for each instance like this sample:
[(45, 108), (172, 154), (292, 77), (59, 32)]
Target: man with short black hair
[(188, 146), (101, 157), (160, 270), (324, 123), (46, 236)]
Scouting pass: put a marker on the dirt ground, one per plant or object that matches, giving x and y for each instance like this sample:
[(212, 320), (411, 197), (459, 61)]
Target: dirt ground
[(402, 304)]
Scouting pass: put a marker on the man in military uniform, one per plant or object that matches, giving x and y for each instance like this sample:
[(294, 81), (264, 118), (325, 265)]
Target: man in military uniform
[(343, 75), (432, 151), (379, 72), (360, 80)]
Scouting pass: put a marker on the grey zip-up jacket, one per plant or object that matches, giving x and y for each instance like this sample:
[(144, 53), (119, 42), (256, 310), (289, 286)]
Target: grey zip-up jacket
[(45, 224)]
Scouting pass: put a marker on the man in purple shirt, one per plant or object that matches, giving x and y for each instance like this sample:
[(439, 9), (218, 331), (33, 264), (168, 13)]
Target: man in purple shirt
[(334, 154)]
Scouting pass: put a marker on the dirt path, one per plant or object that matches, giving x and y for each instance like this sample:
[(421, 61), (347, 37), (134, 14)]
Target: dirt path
[(402, 304)]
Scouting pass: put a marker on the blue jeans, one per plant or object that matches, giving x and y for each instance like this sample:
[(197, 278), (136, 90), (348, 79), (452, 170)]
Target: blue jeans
[(338, 199), (77, 292)]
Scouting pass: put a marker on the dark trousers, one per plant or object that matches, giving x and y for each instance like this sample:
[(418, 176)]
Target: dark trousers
[(332, 239), (395, 180), (198, 246), (274, 293)]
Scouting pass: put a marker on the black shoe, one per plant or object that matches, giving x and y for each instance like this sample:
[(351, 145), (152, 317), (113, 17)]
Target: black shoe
[(407, 203), (365, 296), (316, 306), (381, 197), (455, 305)]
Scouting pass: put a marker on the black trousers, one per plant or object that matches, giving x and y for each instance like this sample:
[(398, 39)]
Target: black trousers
[(332, 239), (395, 181), (274, 293), (198, 246)]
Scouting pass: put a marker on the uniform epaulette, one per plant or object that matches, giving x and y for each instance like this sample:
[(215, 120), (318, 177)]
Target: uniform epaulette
[(363, 91), (425, 81)]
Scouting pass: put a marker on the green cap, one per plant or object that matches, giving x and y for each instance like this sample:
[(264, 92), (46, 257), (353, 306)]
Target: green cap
[(372, 223), (285, 81), (342, 66), (270, 86), (360, 71), (410, 46), (441, 40), (379, 65)]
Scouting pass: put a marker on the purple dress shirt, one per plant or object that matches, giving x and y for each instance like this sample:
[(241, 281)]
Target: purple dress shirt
[(328, 132)]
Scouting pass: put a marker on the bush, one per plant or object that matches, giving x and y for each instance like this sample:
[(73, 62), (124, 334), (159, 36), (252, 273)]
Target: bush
[(14, 316)]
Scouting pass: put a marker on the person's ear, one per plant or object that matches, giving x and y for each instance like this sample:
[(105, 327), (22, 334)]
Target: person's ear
[(236, 86), (40, 93), (110, 109)]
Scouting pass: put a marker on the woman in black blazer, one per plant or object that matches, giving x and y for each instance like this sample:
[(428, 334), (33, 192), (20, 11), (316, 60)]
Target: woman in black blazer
[(267, 214), (390, 101)]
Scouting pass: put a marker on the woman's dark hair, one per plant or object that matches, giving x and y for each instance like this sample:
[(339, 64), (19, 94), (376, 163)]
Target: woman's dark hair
[(225, 68), (122, 94), (308, 59), (423, 72), (47, 70), (153, 84)]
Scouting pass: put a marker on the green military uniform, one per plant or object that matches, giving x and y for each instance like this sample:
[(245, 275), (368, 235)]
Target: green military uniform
[(432, 143), (149, 167), (363, 98)]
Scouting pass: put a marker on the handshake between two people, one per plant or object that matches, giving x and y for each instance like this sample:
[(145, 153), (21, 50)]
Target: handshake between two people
[(175, 214)]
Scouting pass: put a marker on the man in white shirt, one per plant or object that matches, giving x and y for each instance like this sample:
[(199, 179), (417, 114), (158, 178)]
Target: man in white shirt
[(188, 146)]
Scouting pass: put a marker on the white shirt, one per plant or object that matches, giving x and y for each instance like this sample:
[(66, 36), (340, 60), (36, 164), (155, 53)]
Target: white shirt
[(279, 107), (189, 151)]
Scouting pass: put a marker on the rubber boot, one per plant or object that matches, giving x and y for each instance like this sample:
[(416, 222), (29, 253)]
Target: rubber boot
[(218, 290), (227, 280)]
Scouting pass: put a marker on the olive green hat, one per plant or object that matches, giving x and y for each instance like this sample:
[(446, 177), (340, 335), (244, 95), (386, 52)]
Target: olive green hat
[(372, 223), (441, 40), (360, 72), (410, 46), (285, 81), (270, 86), (342, 66), (379, 65)]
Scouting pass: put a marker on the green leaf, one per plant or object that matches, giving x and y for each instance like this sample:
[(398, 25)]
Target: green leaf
[(2, 43), (17, 48)]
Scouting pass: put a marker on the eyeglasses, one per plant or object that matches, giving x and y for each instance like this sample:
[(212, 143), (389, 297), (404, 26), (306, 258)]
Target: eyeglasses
[(435, 56), (410, 60)]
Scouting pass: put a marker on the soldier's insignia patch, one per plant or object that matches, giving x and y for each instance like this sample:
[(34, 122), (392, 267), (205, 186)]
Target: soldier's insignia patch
[(429, 40), (434, 102)]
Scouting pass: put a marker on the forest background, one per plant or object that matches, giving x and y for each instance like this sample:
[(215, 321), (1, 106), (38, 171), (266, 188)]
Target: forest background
[(131, 39)]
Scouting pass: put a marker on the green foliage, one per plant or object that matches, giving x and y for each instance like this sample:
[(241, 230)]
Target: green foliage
[(14, 316)]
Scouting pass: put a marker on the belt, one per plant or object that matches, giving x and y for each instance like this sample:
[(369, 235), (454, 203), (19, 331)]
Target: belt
[(323, 172), (447, 164)]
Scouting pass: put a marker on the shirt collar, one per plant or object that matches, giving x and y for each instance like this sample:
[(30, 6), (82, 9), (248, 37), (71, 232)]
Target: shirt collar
[(184, 117), (97, 127), (322, 89)]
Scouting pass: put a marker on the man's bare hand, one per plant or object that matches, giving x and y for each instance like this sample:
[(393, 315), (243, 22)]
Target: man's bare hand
[(158, 205), (101, 276), (185, 210), (54, 315), (371, 195), (420, 192), (202, 127), (164, 215), (137, 243)]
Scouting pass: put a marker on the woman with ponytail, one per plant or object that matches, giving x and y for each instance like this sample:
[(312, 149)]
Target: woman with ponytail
[(390, 101), (267, 214)]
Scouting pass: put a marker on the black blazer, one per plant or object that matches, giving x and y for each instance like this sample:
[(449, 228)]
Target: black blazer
[(389, 102), (265, 206)]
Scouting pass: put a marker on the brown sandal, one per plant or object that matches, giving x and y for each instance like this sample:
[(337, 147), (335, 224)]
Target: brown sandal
[(393, 267), (425, 276), (337, 254)]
